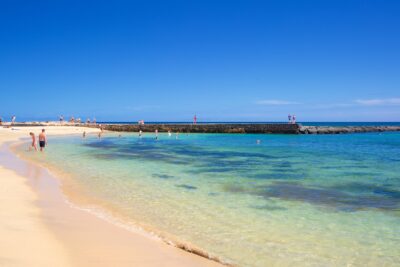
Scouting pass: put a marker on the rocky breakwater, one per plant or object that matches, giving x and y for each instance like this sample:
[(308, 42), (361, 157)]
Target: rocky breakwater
[(346, 129), (280, 128)]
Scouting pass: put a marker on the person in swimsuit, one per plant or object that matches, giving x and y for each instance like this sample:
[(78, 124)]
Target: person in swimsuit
[(33, 145), (42, 140)]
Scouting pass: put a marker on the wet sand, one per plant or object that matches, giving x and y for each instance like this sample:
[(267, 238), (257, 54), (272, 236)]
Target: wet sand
[(40, 228)]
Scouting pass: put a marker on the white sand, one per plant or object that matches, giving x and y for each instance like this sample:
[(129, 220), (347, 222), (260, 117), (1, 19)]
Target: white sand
[(38, 228)]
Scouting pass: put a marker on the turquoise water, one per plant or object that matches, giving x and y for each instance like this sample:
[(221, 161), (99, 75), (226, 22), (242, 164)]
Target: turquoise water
[(291, 200)]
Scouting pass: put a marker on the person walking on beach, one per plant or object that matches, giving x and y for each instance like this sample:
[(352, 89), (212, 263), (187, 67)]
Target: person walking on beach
[(42, 140), (289, 118), (294, 119), (33, 145), (61, 119), (13, 118)]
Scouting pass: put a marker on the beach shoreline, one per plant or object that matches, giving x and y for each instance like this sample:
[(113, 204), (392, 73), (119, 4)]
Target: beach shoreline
[(78, 237)]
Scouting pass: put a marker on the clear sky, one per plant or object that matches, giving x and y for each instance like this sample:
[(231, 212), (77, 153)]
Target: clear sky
[(323, 60)]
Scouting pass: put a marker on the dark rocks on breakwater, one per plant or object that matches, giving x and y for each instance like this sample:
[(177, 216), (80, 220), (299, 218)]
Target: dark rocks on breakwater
[(278, 128), (345, 129), (281, 128)]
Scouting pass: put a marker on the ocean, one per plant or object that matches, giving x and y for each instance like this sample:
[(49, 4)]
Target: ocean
[(285, 200)]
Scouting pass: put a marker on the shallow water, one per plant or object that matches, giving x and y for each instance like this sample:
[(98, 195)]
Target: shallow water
[(292, 200)]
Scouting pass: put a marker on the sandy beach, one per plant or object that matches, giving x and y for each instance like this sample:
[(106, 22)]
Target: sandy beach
[(39, 228)]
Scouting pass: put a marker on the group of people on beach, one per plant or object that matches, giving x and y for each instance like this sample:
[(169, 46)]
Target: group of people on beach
[(42, 141), (13, 119), (77, 120), (292, 119)]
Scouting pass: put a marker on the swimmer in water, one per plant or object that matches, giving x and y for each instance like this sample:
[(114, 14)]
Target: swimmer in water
[(258, 141)]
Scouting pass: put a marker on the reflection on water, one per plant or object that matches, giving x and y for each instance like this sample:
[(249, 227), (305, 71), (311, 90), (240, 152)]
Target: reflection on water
[(329, 200)]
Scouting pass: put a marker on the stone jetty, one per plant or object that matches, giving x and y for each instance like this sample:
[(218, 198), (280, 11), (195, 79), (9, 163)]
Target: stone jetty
[(282, 128), (273, 128), (345, 129)]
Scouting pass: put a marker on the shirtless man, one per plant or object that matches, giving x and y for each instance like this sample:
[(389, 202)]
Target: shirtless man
[(33, 145), (42, 140)]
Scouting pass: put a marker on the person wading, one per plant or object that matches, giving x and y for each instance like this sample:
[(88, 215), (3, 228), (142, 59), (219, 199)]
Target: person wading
[(33, 145), (42, 140)]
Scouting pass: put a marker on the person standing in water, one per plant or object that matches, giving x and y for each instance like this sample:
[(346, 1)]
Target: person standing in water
[(101, 132), (84, 134), (42, 140), (156, 132), (33, 145), (140, 134), (169, 133)]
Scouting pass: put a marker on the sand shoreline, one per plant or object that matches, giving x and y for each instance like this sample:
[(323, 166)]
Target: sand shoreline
[(73, 237)]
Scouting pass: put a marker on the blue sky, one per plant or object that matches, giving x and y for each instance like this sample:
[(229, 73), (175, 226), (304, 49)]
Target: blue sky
[(326, 60)]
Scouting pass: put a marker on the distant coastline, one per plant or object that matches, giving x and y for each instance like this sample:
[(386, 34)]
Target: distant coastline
[(311, 123), (239, 127), (305, 123)]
